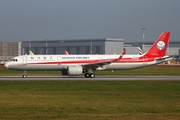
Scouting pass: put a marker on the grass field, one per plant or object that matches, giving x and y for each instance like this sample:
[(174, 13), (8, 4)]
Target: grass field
[(87, 100), (151, 70)]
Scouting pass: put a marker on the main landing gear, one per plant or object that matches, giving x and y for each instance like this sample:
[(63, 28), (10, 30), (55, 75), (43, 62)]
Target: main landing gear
[(87, 75)]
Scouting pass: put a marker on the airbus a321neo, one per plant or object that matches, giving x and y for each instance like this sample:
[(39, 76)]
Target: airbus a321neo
[(79, 64)]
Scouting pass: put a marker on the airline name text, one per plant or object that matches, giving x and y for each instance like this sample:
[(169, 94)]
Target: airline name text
[(78, 57)]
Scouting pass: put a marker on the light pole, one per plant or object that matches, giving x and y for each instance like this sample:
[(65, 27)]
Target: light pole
[(143, 29), (46, 46)]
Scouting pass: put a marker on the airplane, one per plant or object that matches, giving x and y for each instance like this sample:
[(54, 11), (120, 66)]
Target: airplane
[(66, 53), (87, 64), (140, 51), (31, 53)]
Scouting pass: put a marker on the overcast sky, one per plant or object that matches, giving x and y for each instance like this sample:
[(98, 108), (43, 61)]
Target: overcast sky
[(22, 20)]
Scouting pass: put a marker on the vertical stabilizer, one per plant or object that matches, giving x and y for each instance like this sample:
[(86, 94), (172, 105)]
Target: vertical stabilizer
[(158, 49), (66, 53)]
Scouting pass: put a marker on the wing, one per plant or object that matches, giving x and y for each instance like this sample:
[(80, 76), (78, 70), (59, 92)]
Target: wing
[(101, 64)]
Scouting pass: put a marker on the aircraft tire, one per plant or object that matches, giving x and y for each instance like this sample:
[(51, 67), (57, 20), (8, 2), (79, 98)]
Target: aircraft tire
[(24, 76), (92, 75), (86, 75)]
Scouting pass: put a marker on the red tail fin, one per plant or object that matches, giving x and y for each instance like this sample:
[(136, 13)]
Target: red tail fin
[(158, 49), (66, 53)]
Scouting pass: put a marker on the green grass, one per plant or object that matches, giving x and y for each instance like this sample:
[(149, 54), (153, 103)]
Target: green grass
[(151, 70), (87, 100)]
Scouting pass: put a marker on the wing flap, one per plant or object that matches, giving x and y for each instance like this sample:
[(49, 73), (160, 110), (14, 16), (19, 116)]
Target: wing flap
[(97, 64)]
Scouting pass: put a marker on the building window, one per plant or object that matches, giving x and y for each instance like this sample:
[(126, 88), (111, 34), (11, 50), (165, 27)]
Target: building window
[(87, 50), (27, 50), (97, 49), (54, 50), (44, 50), (68, 49), (78, 50), (36, 50)]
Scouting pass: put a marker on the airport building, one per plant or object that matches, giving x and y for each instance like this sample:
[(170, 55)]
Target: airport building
[(78, 46), (9, 50), (91, 46)]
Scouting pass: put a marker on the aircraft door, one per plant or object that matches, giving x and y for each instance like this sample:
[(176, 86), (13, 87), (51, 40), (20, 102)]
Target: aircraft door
[(59, 60), (24, 60)]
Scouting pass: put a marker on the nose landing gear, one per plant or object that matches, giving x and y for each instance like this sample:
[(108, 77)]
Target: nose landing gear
[(24, 74)]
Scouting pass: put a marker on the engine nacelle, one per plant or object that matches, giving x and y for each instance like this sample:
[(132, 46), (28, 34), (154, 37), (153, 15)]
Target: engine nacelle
[(73, 70)]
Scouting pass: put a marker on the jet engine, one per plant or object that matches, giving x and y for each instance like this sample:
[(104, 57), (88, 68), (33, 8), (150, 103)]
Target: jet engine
[(73, 70)]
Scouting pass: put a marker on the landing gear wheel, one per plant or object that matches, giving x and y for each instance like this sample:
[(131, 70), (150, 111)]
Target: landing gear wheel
[(24, 74), (86, 75), (92, 75)]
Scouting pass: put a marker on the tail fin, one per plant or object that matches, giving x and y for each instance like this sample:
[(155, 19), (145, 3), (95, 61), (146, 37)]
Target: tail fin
[(140, 51), (158, 49), (66, 53), (31, 53)]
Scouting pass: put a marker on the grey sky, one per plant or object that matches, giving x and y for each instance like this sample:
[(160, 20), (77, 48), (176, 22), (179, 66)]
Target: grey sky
[(22, 20)]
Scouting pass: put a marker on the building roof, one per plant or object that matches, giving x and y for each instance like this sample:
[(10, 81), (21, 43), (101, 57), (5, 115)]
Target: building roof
[(75, 40)]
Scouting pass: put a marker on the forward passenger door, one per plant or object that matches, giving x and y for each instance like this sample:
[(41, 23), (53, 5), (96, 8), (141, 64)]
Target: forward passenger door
[(24, 60)]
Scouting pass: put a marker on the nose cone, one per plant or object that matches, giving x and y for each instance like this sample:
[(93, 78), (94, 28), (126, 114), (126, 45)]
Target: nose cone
[(6, 65)]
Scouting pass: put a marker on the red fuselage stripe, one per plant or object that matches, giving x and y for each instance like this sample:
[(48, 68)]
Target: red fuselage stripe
[(124, 60)]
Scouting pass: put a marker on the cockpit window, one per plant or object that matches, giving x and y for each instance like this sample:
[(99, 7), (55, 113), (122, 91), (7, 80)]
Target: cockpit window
[(14, 60)]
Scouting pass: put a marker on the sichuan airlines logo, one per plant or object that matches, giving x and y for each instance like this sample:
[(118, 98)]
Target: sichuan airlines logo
[(161, 45)]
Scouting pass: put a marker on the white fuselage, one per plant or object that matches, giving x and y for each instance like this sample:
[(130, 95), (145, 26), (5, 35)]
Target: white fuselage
[(59, 62)]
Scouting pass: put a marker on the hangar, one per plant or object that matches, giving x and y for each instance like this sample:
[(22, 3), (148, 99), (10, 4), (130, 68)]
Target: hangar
[(78, 46), (91, 46)]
